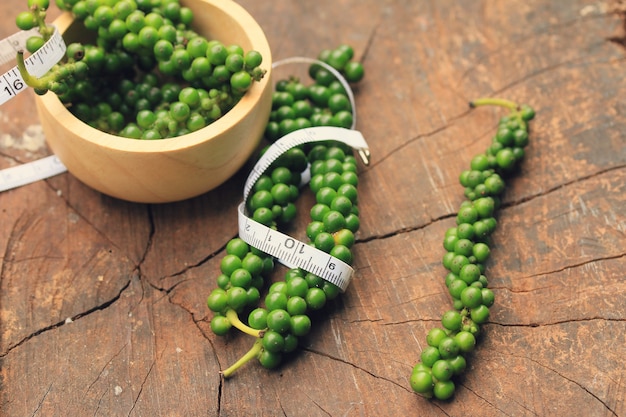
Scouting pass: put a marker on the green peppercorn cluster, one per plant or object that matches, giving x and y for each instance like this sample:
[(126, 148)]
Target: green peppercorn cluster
[(334, 221), (147, 74), (324, 102), (467, 250), (284, 315)]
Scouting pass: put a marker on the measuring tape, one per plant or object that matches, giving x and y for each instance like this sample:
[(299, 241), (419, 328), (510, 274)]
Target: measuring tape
[(289, 251), (38, 64), (17, 42), (32, 171), (12, 83)]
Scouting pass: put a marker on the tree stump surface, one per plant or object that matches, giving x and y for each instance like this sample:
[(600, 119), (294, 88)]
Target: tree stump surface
[(102, 302)]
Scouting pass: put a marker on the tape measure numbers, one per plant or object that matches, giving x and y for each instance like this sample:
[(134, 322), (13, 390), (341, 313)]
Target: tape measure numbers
[(38, 64), (12, 83), (286, 249)]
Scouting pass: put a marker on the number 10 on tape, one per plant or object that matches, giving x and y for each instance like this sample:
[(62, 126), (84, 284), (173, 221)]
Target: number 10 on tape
[(293, 253)]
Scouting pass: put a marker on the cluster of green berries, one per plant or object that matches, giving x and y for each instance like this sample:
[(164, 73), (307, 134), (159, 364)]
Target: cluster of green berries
[(284, 315), (322, 102), (467, 250), (243, 273), (147, 74), (35, 17)]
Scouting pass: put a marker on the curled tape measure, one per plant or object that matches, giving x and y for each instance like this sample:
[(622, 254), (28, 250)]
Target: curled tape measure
[(39, 63), (12, 83), (286, 249)]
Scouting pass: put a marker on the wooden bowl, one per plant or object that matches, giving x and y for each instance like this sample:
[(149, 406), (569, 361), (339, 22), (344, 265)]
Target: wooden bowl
[(165, 170)]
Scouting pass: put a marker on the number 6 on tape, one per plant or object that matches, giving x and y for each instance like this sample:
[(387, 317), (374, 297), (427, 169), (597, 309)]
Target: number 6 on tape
[(286, 249)]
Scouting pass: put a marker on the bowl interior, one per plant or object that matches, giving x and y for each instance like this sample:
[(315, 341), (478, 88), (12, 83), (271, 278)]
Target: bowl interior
[(224, 20)]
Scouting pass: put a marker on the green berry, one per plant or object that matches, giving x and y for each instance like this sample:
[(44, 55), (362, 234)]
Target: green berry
[(237, 298), (300, 325), (25, 20), (422, 382), (353, 72), (448, 348), (430, 355), (270, 360), (466, 341), (217, 301), (273, 341), (480, 314), (257, 319), (488, 297), (458, 364), (279, 320), (443, 390), (220, 325), (442, 370), (451, 320)]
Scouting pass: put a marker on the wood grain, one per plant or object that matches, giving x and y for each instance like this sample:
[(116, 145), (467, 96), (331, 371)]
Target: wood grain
[(102, 302)]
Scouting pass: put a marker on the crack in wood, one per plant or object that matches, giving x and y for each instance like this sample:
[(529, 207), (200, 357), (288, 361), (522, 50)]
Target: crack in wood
[(581, 386), (555, 323), (66, 321), (489, 402), (141, 387), (317, 405), (220, 392), (528, 37), (105, 366), (562, 269), (41, 401), (618, 7), (334, 358)]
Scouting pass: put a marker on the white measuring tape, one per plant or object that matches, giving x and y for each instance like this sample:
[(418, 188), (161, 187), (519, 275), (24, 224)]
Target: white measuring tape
[(12, 83), (38, 64), (286, 249), (32, 171)]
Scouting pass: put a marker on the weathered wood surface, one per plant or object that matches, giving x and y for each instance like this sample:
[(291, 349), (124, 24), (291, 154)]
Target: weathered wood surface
[(102, 302)]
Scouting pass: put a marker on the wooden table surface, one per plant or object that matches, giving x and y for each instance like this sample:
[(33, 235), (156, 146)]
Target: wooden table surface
[(102, 302)]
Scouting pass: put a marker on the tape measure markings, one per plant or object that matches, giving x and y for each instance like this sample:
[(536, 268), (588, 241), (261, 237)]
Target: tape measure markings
[(12, 83), (30, 172), (286, 249), (350, 137), (37, 64), (13, 43), (294, 253)]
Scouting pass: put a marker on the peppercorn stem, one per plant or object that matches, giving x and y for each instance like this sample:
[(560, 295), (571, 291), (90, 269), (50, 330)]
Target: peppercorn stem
[(40, 17), (488, 101), (252, 353), (232, 316), (30, 80)]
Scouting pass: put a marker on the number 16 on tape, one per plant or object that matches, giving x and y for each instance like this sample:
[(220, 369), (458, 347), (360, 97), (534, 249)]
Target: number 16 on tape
[(11, 82)]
